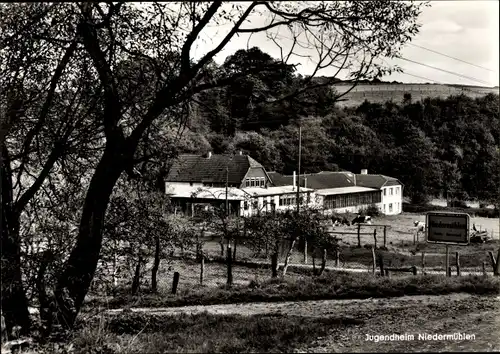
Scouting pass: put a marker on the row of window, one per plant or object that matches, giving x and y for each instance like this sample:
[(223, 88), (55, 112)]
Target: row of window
[(390, 208), (396, 191), (255, 182), (347, 200), (285, 199)]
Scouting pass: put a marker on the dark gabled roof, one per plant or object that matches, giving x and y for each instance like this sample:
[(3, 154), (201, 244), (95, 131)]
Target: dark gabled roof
[(321, 180), (200, 169), (376, 181)]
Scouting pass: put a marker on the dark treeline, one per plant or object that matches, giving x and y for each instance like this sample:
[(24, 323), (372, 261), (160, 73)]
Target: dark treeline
[(437, 147)]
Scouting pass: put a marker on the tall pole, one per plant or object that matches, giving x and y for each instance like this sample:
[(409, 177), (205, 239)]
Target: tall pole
[(298, 188), (227, 178), (298, 174)]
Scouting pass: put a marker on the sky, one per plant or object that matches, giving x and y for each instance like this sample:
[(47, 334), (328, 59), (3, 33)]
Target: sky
[(467, 30)]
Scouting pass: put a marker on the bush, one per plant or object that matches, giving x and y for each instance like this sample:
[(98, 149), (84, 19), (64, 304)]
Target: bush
[(372, 211), (423, 208), (458, 204)]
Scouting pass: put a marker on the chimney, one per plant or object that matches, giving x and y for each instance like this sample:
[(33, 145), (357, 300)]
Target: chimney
[(293, 180), (364, 171), (241, 152), (209, 155)]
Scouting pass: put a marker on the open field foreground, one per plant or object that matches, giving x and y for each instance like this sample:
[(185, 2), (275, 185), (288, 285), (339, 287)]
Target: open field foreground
[(332, 326)]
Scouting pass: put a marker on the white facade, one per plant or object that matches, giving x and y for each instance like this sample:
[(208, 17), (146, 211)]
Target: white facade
[(284, 198), (392, 200)]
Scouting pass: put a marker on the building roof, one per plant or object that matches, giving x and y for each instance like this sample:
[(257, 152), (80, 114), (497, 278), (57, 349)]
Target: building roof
[(176, 191), (322, 180), (204, 169), (376, 181), (344, 190), (274, 190)]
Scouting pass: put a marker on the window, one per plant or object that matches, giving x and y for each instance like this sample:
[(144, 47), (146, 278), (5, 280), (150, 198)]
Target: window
[(390, 207), (265, 201), (262, 182), (397, 190), (245, 205), (281, 200), (390, 191), (385, 192), (384, 208), (247, 183), (252, 182)]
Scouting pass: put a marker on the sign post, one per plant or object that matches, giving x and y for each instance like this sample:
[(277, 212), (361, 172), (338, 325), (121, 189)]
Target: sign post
[(448, 229)]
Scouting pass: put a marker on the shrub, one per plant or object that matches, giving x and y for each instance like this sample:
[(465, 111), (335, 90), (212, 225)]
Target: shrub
[(372, 211)]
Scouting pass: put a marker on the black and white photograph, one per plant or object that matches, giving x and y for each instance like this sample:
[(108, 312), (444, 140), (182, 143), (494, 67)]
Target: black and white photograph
[(250, 177)]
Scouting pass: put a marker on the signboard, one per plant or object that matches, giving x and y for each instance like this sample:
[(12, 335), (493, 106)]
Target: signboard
[(447, 228)]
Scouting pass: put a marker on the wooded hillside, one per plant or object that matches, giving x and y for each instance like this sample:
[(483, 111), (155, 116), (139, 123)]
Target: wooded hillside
[(435, 146)]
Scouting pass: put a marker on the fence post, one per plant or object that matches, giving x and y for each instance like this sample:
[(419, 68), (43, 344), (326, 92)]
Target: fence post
[(375, 236), (423, 262), (497, 268), (385, 236), (414, 270), (447, 266), (484, 269), (202, 268), (457, 263), (493, 261), (229, 265), (381, 264), (359, 235), (337, 256), (374, 260), (175, 282)]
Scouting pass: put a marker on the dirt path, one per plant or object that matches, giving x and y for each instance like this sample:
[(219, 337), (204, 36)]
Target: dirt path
[(411, 315)]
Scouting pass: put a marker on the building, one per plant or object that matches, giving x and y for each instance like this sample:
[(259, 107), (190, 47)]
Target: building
[(348, 192), (198, 182), (391, 191), (279, 198)]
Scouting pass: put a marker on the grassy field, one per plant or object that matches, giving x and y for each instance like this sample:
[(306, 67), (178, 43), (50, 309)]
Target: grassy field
[(381, 93), (331, 285)]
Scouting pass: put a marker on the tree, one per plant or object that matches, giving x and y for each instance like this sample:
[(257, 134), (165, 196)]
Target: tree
[(46, 123), (160, 36)]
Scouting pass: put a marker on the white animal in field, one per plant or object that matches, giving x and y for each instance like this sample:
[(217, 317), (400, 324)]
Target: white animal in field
[(420, 225)]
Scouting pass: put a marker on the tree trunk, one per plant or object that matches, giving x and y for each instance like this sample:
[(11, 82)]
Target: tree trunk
[(314, 262), (14, 301), (74, 282), (45, 302), (323, 263), (137, 276), (156, 265), (221, 243), (288, 255)]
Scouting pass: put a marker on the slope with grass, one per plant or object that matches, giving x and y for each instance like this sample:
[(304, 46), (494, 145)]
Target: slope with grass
[(312, 326), (382, 92)]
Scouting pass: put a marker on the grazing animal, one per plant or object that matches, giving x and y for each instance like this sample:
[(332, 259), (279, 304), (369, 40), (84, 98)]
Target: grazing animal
[(420, 225), (337, 220), (361, 219)]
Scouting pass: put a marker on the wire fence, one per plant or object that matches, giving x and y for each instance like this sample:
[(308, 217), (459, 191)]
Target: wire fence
[(248, 266)]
